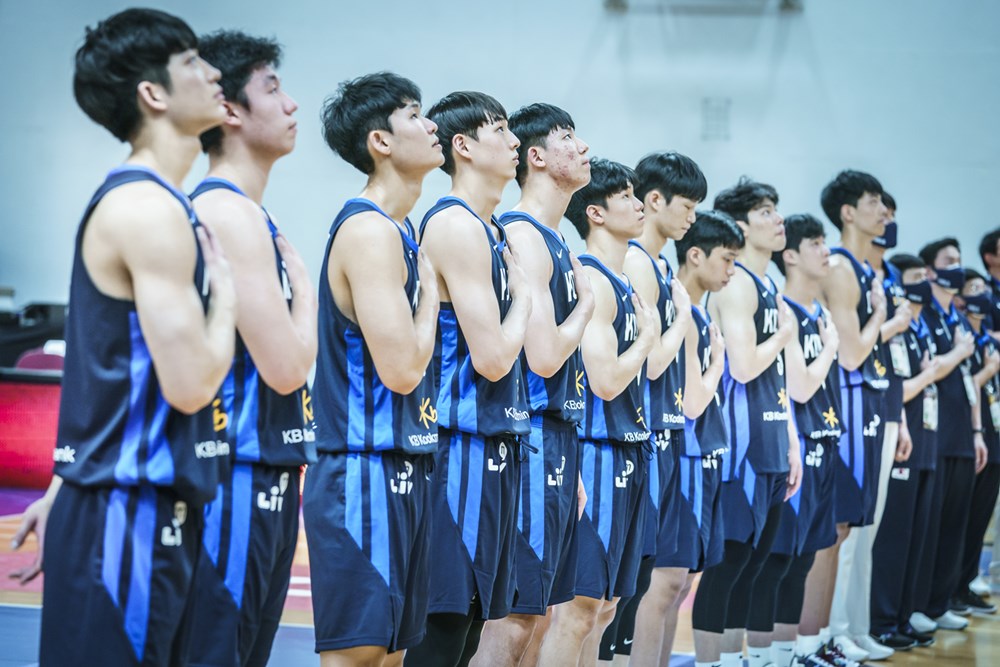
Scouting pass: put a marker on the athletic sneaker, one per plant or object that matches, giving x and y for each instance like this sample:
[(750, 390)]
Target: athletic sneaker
[(922, 623), (849, 649), (921, 638), (897, 641), (980, 586), (957, 606), (876, 651), (950, 621), (832, 654), (811, 660), (976, 604)]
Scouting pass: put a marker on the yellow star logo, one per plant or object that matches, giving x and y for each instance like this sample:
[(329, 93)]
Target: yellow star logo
[(428, 413), (783, 398), (579, 383), (879, 368), (639, 420), (830, 417), (679, 399)]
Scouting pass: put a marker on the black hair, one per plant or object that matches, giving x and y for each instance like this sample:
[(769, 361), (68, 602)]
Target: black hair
[(711, 230), (930, 251), (118, 54), (237, 55), (744, 197), (672, 174), (359, 107), (607, 178), (972, 274), (847, 188), (988, 246), (888, 200), (532, 125), (905, 261), (799, 227), (463, 112)]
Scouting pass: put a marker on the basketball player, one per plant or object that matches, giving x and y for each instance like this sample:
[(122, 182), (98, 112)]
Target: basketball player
[(552, 165), (763, 467), (483, 404), (366, 501), (615, 345), (147, 348), (252, 526)]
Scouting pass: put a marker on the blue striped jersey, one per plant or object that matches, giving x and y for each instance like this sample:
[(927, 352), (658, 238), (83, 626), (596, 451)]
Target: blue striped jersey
[(467, 401), (665, 394), (115, 427), (263, 426), (709, 433), (560, 396), (820, 417), (354, 411), (623, 418), (989, 395), (758, 410), (873, 371), (924, 454)]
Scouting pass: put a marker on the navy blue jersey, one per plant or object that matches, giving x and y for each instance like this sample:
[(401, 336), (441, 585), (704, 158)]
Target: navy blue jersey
[(924, 455), (820, 417), (758, 410), (467, 401), (992, 322), (356, 412), (666, 393), (955, 431), (263, 425), (621, 419), (989, 397), (895, 296), (708, 434), (115, 427), (559, 396), (873, 371)]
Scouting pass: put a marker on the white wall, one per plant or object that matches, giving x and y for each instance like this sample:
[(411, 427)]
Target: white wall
[(907, 90)]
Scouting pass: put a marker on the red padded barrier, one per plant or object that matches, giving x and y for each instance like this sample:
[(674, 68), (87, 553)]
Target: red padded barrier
[(29, 415)]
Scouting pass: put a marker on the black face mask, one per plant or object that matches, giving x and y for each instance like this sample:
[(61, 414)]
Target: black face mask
[(980, 304), (919, 293), (888, 239), (952, 278)]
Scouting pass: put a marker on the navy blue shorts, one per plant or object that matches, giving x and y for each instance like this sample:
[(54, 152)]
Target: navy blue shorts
[(251, 529), (807, 519), (857, 467), (700, 536), (547, 520), (119, 567), (747, 500), (475, 501), (663, 497), (611, 530), (367, 526)]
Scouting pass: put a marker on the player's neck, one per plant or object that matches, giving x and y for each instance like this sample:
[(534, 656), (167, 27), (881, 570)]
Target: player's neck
[(544, 200), (875, 258), (652, 239), (976, 322), (393, 192), (942, 296), (917, 308), (801, 289), (694, 289), (755, 259), (167, 153), (247, 172), (482, 192), (856, 242), (995, 273), (609, 249)]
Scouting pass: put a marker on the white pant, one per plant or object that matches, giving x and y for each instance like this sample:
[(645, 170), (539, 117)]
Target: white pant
[(850, 613)]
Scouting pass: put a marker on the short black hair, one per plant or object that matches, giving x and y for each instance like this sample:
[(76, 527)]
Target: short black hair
[(930, 251), (988, 246), (532, 125), (672, 174), (711, 230), (905, 261), (361, 106), (888, 200), (799, 227), (118, 54), (972, 274), (237, 55), (607, 178), (744, 197), (463, 112), (847, 188)]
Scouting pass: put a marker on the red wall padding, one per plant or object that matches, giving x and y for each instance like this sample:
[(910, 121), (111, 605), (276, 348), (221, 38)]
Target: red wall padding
[(29, 414)]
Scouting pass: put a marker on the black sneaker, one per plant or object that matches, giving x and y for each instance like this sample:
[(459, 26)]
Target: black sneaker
[(831, 654), (921, 638), (895, 640), (958, 606), (977, 605)]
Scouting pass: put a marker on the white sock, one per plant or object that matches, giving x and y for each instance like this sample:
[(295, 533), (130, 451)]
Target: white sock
[(732, 659), (809, 644), (782, 653), (824, 635), (758, 656), (707, 664)]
